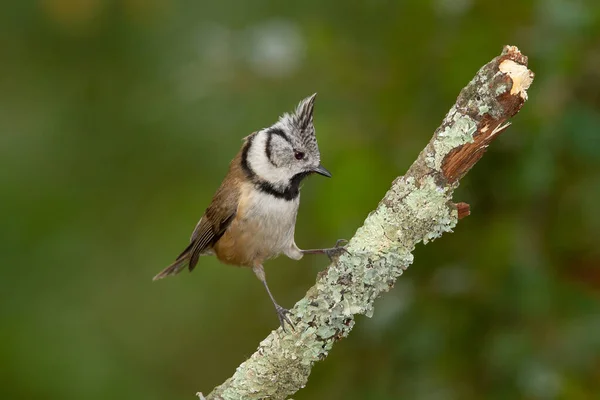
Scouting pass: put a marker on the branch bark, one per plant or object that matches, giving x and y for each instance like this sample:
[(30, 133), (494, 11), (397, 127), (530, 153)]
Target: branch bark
[(417, 208)]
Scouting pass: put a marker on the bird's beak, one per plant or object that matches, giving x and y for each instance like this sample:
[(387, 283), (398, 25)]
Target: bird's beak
[(321, 170)]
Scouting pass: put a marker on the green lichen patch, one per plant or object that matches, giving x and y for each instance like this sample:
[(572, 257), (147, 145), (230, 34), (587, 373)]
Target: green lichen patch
[(454, 135)]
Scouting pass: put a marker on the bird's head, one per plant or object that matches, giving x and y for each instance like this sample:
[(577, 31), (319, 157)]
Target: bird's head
[(287, 152)]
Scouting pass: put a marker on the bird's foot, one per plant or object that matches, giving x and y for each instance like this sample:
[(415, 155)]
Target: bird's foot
[(337, 250), (282, 314), (333, 252)]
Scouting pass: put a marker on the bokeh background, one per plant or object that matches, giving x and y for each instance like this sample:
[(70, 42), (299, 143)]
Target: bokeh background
[(117, 123)]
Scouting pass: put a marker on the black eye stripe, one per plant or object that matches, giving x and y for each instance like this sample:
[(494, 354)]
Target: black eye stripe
[(270, 133), (278, 132)]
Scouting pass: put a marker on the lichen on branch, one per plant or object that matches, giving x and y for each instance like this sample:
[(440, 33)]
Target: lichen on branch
[(417, 208)]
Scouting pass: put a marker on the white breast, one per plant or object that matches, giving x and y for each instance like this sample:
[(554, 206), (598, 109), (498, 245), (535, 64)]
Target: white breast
[(272, 221)]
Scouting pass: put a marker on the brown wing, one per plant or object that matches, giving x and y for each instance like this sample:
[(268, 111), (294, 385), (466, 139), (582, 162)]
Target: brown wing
[(214, 222), (206, 236), (218, 215), (208, 231)]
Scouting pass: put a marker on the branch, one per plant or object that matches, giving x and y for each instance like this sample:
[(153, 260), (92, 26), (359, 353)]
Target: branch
[(417, 208)]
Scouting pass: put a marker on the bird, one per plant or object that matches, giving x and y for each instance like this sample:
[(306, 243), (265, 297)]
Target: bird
[(252, 216)]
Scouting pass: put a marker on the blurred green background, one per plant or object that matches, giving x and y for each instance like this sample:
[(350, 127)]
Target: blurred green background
[(117, 123)]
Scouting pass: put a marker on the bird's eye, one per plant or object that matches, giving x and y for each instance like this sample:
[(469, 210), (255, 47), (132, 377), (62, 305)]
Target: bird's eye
[(299, 155)]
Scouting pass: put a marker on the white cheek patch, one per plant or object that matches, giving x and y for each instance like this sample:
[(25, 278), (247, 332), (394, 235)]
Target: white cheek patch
[(262, 166)]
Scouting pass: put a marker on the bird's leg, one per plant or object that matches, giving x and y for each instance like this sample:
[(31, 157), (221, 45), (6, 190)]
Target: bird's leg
[(282, 313), (337, 250)]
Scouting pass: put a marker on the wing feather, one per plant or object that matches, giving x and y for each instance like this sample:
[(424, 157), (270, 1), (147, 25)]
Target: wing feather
[(214, 222)]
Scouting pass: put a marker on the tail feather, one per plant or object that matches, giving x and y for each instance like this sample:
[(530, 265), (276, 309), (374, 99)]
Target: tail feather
[(178, 264), (172, 269)]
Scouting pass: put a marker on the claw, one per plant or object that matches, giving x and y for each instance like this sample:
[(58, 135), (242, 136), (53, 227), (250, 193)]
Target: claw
[(339, 242), (332, 253), (282, 314), (337, 250)]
